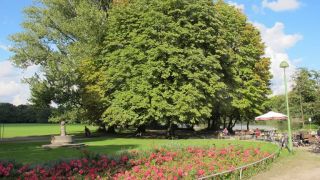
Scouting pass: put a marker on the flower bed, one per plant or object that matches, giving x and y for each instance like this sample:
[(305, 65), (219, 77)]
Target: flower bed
[(159, 163)]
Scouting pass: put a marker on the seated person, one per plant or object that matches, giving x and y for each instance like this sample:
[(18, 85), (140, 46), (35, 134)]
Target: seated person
[(284, 140), (225, 131), (87, 131), (257, 133)]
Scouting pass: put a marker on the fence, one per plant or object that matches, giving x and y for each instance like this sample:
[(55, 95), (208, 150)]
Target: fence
[(241, 168)]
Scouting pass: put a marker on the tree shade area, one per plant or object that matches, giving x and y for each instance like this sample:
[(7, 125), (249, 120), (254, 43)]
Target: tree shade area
[(141, 62)]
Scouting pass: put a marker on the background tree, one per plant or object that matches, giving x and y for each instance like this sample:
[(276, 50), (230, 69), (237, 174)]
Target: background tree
[(10, 113), (304, 99), (58, 36)]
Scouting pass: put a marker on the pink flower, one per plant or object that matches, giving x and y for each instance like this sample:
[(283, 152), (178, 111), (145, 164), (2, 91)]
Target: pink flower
[(147, 173), (256, 151), (136, 169)]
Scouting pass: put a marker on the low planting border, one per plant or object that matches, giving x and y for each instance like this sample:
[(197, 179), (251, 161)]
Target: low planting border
[(241, 168)]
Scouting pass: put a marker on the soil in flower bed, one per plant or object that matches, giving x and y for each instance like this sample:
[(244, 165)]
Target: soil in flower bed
[(158, 163)]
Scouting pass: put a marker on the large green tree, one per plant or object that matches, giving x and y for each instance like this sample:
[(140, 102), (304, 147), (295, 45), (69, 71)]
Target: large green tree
[(161, 62), (178, 61)]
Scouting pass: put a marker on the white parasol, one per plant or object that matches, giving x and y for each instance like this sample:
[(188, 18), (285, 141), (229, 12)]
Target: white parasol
[(271, 116)]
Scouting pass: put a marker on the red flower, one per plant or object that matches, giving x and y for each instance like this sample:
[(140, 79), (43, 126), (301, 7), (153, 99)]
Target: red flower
[(113, 163), (81, 172), (124, 159), (180, 172), (223, 152), (201, 172)]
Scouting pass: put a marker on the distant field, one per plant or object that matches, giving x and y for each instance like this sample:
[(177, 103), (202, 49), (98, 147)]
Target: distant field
[(20, 130)]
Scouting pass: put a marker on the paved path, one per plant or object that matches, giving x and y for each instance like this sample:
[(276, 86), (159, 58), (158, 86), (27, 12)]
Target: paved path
[(304, 165)]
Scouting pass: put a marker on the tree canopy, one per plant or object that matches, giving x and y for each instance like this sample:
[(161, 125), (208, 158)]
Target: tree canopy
[(176, 61), (142, 61)]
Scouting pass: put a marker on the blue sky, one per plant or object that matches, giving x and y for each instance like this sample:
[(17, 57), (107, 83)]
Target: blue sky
[(289, 29), (304, 20)]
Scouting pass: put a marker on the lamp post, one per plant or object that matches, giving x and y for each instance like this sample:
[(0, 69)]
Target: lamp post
[(284, 65), (310, 124)]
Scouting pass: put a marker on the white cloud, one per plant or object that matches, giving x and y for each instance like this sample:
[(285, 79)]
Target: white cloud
[(281, 5), (6, 69), (239, 6), (276, 38), (277, 42), (11, 88)]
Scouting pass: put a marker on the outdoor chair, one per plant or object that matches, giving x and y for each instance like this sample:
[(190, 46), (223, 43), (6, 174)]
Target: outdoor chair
[(316, 145)]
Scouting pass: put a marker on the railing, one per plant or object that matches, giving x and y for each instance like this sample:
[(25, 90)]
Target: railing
[(241, 168)]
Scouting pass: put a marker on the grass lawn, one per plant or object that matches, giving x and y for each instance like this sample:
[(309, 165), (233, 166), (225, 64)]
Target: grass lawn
[(33, 153), (20, 130)]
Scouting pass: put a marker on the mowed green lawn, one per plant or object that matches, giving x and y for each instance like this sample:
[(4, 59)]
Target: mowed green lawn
[(33, 153), (22, 130)]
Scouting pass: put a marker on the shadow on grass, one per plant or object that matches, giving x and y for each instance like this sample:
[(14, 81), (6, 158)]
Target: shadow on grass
[(42, 138), (150, 134)]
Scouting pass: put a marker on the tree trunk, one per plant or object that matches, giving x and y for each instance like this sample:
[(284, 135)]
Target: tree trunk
[(235, 121), (209, 124), (301, 109), (170, 131), (231, 125), (224, 123), (215, 120), (229, 128), (248, 122), (102, 128), (111, 129), (140, 130), (213, 124)]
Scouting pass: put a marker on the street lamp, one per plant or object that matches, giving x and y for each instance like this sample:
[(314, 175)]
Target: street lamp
[(310, 124), (284, 65)]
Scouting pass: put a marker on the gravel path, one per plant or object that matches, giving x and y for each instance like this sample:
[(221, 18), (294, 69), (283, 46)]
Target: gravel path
[(304, 165)]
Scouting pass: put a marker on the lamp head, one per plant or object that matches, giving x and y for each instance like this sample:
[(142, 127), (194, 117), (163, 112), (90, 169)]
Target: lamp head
[(284, 64)]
